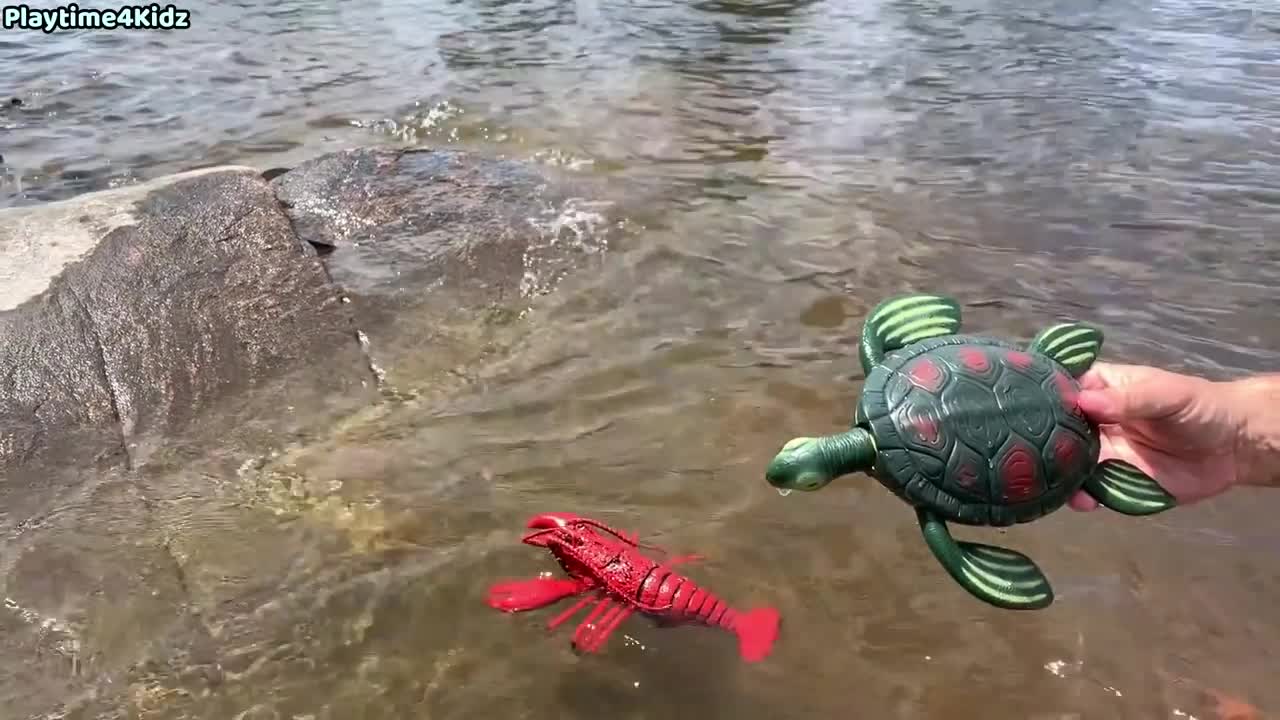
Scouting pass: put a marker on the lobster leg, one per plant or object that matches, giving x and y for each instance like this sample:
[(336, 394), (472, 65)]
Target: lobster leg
[(585, 626), (585, 636), (604, 604), (594, 638), (559, 619)]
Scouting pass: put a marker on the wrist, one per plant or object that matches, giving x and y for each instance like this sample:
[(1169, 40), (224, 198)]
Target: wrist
[(1256, 407)]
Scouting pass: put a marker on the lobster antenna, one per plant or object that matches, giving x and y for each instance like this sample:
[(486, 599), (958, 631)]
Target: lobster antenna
[(634, 542), (540, 533)]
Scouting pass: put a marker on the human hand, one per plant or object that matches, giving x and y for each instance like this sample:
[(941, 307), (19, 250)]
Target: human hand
[(1182, 430)]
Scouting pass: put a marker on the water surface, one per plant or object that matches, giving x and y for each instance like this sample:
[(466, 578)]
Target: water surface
[(1113, 161)]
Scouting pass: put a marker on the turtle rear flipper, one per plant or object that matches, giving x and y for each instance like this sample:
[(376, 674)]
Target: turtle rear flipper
[(1072, 345), (1119, 486), (905, 319), (998, 576)]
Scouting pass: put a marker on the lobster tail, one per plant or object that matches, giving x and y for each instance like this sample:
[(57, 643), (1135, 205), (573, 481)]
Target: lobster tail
[(757, 629)]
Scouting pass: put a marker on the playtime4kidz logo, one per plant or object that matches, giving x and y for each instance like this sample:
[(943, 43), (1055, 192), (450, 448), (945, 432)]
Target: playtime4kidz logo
[(74, 17)]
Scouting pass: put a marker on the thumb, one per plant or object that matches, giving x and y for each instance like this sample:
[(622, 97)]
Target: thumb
[(1148, 399)]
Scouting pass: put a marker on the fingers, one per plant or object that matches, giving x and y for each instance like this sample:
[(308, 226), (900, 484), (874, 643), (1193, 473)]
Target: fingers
[(1097, 377), (1109, 374), (1105, 405), (1154, 396)]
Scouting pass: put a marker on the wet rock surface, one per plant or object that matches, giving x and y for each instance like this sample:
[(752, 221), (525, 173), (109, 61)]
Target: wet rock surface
[(206, 294), (173, 338), (185, 293), (437, 237)]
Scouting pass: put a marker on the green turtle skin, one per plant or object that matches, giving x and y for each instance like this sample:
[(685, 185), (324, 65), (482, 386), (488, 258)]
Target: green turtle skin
[(975, 431)]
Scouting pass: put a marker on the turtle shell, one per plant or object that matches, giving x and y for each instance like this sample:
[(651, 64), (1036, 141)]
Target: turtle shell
[(977, 430)]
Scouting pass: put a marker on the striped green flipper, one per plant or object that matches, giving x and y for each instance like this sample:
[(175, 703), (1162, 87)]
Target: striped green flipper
[(1073, 345), (900, 321), (1004, 578), (1119, 486)]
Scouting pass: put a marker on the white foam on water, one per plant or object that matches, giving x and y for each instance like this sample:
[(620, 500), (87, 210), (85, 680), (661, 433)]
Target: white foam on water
[(579, 226), (65, 642), (441, 121), (559, 158), (379, 373)]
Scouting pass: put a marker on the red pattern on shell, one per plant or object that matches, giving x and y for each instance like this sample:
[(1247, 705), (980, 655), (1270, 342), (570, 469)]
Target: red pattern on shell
[(926, 375), (967, 476), (1069, 392), (1066, 451), (1019, 476), (974, 359), (1019, 359), (926, 430)]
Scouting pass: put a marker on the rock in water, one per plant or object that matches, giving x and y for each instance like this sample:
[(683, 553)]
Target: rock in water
[(132, 311), (414, 236), (412, 219), (125, 314)]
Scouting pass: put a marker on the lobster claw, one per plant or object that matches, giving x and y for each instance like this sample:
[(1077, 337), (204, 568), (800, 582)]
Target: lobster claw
[(540, 524), (547, 521)]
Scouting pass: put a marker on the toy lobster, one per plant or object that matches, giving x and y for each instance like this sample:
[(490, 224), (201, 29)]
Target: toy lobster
[(608, 567)]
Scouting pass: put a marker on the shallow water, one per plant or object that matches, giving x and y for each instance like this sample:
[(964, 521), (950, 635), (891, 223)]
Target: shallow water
[(1117, 162)]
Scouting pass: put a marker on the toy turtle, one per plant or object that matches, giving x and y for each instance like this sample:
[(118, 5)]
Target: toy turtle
[(975, 431)]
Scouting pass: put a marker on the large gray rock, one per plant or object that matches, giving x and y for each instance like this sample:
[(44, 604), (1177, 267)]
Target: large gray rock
[(126, 314), (163, 300)]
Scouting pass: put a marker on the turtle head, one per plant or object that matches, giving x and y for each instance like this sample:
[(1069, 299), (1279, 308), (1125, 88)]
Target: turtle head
[(811, 463), (799, 465)]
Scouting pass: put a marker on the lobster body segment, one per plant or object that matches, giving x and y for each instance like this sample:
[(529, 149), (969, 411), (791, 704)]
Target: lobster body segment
[(607, 566)]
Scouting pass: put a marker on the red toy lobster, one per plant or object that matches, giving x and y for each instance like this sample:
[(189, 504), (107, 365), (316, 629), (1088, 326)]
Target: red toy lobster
[(610, 567)]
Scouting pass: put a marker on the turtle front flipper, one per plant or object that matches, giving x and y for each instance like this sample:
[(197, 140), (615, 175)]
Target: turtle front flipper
[(1072, 345), (1000, 577), (1119, 486), (902, 320)]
